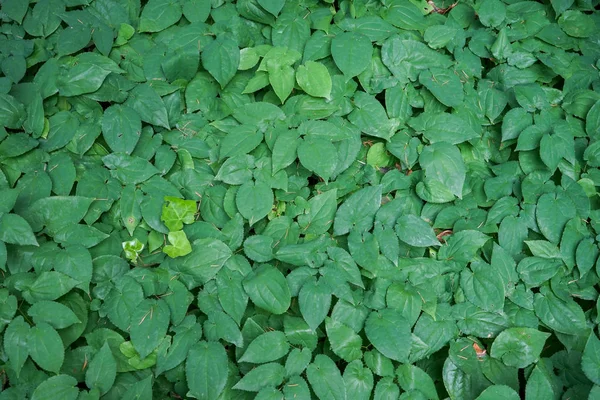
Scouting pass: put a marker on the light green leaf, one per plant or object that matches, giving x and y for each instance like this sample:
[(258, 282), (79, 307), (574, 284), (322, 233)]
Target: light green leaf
[(176, 212), (180, 245), (313, 77)]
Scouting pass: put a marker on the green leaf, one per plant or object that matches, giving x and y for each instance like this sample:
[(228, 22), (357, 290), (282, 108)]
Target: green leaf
[(49, 285), (269, 346), (552, 213), (325, 378), (514, 122), (282, 79), (267, 288), (157, 15), (576, 24), (121, 128), (358, 380), (85, 74), (102, 370), (483, 287), (266, 375), (498, 392), (272, 6), (259, 248), (314, 300), (564, 316), (149, 324), (15, 230), (55, 314), (443, 127), (196, 10), (15, 9), (415, 232), (16, 343), (204, 262), (254, 201), (313, 77), (491, 13), (390, 333), (297, 361), (321, 212), (345, 343), (358, 211), (319, 156), (351, 52), (12, 112), (144, 100), (187, 334), (46, 347), (444, 84), (221, 59), (519, 347), (129, 170), (539, 385), (590, 360), (57, 387), (206, 370), (411, 377)]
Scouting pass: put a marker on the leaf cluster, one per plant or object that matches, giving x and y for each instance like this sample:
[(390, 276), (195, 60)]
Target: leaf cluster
[(298, 199)]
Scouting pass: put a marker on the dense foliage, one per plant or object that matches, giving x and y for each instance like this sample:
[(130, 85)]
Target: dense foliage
[(271, 199)]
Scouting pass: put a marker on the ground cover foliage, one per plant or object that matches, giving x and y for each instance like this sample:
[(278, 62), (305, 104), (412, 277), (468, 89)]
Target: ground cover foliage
[(304, 199)]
